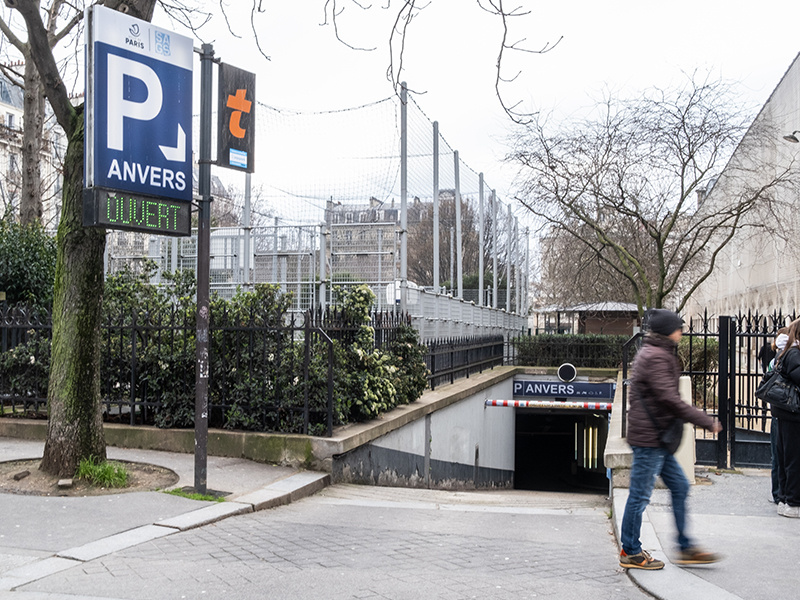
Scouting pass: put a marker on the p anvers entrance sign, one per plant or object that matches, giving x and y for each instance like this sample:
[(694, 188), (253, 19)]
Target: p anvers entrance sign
[(138, 168)]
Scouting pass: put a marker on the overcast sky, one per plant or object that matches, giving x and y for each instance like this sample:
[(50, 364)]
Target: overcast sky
[(621, 45)]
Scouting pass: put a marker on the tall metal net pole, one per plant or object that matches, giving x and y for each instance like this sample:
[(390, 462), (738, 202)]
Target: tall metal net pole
[(452, 258), (494, 248), (275, 278), (508, 260), (436, 279), (403, 197), (527, 270), (247, 226), (480, 239), (459, 272), (323, 253), (517, 266)]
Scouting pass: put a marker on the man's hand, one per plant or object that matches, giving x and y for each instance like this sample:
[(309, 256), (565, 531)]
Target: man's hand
[(716, 427)]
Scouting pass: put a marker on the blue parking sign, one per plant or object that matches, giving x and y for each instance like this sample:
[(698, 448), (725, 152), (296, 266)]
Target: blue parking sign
[(139, 107)]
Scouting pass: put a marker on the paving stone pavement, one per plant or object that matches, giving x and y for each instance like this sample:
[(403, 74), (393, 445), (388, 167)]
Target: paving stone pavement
[(362, 542)]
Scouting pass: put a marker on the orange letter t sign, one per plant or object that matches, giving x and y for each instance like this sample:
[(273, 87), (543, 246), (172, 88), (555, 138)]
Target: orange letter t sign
[(239, 104)]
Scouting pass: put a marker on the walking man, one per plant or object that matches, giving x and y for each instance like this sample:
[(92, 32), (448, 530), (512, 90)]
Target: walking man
[(654, 403)]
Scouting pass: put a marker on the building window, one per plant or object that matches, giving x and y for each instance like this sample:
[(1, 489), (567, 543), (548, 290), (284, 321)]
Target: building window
[(10, 121)]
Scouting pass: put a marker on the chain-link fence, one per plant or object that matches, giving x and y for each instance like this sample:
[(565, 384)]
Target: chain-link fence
[(372, 194)]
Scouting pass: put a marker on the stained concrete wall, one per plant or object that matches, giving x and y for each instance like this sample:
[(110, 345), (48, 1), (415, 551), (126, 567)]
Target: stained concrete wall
[(463, 445)]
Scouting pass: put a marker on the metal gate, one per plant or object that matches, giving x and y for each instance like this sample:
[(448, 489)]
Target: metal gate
[(723, 358)]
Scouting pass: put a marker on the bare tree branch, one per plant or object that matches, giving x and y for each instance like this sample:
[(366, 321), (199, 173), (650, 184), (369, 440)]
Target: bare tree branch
[(42, 55), (623, 187), (498, 10), (334, 20)]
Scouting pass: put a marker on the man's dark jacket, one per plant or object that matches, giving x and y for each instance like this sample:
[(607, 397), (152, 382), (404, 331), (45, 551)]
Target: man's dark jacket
[(655, 379)]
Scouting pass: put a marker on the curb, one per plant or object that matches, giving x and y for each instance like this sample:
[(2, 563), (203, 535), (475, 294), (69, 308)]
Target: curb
[(672, 582), (285, 491)]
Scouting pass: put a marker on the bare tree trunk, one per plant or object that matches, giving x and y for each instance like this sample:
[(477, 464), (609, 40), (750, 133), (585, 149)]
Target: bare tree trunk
[(31, 199), (75, 427)]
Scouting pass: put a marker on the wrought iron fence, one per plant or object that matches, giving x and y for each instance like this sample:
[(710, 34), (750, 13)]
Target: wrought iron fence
[(724, 358), (269, 372), (448, 360)]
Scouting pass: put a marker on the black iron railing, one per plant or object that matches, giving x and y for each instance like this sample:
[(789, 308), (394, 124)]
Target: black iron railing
[(724, 357), (269, 372), (448, 360)]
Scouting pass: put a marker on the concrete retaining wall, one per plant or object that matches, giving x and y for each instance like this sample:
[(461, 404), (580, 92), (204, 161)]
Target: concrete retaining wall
[(320, 453), (463, 445)]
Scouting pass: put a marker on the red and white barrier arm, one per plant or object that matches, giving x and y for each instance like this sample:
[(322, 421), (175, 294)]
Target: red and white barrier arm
[(569, 404)]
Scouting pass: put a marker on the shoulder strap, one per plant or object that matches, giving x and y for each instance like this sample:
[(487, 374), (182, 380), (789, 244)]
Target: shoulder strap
[(649, 414)]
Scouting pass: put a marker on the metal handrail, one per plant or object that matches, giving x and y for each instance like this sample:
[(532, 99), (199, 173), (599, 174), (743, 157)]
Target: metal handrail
[(635, 341)]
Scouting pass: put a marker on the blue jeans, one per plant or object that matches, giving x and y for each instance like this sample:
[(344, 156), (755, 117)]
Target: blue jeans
[(648, 463)]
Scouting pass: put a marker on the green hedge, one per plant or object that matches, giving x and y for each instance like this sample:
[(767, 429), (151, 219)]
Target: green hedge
[(588, 351), (256, 359), (27, 264)]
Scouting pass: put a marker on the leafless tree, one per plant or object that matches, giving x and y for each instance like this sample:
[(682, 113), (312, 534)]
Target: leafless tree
[(26, 76), (568, 275), (621, 187), (420, 239)]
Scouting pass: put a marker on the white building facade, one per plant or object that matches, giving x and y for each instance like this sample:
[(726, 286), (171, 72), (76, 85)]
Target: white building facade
[(50, 161), (759, 271)]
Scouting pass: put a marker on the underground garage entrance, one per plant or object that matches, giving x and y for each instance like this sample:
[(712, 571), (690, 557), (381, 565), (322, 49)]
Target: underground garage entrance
[(560, 432), (560, 450)]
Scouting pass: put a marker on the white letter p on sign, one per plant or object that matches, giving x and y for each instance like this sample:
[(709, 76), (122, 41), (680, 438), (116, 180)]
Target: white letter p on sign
[(118, 107)]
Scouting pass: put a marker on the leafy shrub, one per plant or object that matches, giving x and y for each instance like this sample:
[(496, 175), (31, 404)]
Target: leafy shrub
[(364, 386), (408, 358), (25, 369), (257, 379), (582, 350), (368, 380), (27, 264), (251, 357), (136, 316)]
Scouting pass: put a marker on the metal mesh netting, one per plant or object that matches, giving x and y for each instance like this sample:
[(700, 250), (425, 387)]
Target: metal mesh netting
[(331, 181)]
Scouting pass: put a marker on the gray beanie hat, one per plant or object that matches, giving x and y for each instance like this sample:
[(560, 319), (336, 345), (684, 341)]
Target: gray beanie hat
[(664, 321)]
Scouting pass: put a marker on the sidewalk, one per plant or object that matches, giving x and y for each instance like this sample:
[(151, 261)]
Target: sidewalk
[(344, 542), (40, 536), (44, 539), (729, 513)]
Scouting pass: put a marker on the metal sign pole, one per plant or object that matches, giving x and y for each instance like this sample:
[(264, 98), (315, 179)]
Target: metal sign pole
[(203, 266)]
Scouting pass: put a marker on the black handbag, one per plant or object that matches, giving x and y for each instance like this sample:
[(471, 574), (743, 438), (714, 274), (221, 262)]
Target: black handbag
[(669, 437), (775, 389)]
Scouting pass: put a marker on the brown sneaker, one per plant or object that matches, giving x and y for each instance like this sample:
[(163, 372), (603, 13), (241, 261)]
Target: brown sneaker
[(696, 556), (639, 561)]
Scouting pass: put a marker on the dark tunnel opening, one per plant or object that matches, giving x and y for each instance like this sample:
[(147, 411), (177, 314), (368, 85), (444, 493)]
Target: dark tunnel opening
[(560, 452)]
